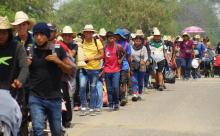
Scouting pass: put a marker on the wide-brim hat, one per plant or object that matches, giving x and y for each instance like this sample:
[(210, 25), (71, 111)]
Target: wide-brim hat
[(120, 32), (185, 34), (67, 30), (102, 32), (89, 28), (156, 32), (197, 36), (140, 33), (4, 23), (21, 17)]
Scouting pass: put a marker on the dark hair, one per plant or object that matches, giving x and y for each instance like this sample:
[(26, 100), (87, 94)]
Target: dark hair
[(110, 34), (10, 34)]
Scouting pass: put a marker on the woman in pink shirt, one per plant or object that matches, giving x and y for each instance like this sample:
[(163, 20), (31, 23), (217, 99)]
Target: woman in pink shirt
[(186, 53), (114, 54)]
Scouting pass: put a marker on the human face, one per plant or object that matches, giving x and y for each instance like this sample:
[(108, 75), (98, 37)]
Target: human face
[(157, 38), (4, 35), (40, 39), (111, 39), (185, 37), (137, 41), (22, 28), (52, 35), (88, 35), (67, 38)]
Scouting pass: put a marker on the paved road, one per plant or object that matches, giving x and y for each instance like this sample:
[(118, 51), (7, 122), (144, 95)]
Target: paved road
[(188, 108)]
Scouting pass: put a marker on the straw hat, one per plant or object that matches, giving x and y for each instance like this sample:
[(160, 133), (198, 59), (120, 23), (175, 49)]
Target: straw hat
[(197, 36), (139, 32), (67, 30), (4, 23), (102, 32), (156, 31), (185, 34), (165, 38), (88, 28), (169, 38), (21, 17)]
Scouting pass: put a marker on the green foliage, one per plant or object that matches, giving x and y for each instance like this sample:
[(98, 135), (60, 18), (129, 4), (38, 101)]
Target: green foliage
[(112, 14), (38, 9), (199, 13)]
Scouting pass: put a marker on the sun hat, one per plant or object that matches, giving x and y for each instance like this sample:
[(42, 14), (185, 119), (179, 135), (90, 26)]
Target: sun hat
[(197, 36), (169, 38), (195, 63), (4, 23), (185, 34), (41, 28), (21, 17), (133, 35), (140, 33), (88, 28), (102, 32), (126, 32), (165, 37), (52, 27), (67, 30), (120, 32), (156, 31)]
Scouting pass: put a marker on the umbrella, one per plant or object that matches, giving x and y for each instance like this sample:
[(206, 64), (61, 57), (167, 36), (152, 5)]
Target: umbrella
[(193, 29)]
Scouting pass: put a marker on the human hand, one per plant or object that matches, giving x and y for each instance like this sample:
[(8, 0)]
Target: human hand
[(53, 58), (16, 84)]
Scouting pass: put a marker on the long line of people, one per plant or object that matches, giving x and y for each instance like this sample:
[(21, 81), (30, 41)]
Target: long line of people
[(52, 74)]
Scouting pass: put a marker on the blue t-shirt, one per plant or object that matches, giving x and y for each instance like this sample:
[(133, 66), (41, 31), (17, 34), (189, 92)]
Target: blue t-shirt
[(127, 48), (200, 47)]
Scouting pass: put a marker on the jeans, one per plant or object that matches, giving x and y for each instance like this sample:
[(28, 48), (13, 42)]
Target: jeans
[(137, 82), (90, 76), (112, 82), (39, 108), (186, 66), (146, 78), (99, 88)]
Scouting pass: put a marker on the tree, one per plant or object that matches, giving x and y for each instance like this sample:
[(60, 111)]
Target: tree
[(38, 9), (112, 14)]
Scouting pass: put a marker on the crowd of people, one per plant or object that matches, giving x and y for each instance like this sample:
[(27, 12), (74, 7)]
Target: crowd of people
[(51, 74)]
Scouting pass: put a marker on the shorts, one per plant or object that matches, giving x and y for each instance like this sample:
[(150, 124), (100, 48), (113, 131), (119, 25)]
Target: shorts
[(160, 66), (124, 78)]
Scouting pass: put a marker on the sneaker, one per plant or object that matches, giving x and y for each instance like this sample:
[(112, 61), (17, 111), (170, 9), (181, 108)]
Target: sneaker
[(98, 110), (92, 112), (83, 112), (110, 109), (116, 107), (134, 98)]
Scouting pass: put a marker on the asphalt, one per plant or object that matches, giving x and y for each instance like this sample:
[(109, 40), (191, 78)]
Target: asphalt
[(187, 108)]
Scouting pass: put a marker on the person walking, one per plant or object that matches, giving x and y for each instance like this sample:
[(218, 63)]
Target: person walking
[(125, 66), (159, 56), (186, 53), (47, 65), (139, 58), (93, 51), (114, 55)]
